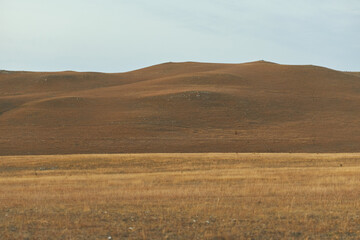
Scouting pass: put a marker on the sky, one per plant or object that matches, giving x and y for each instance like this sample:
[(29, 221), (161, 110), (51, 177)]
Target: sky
[(124, 35)]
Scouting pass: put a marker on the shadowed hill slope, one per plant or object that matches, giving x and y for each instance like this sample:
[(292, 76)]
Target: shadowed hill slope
[(181, 107)]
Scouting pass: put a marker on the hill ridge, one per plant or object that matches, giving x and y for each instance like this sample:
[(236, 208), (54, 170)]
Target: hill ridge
[(181, 107)]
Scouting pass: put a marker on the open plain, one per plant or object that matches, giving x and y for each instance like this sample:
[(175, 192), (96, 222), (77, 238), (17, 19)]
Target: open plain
[(180, 196), (62, 175), (179, 120)]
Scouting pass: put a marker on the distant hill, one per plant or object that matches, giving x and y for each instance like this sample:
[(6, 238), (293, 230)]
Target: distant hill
[(181, 107), (357, 74)]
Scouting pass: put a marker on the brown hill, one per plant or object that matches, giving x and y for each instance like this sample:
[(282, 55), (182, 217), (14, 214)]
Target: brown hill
[(181, 107)]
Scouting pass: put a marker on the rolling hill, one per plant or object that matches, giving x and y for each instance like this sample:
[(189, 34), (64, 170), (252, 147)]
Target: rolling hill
[(181, 107)]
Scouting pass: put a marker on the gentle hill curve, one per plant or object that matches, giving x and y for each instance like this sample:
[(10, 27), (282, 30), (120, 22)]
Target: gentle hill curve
[(181, 107)]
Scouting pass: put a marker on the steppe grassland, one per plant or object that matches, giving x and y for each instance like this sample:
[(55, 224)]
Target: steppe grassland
[(180, 196)]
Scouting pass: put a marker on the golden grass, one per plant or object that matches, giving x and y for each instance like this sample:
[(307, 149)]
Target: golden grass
[(180, 196)]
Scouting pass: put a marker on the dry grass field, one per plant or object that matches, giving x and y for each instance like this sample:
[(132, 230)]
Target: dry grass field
[(180, 196)]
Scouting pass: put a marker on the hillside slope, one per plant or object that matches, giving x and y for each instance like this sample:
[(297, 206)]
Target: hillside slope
[(181, 107)]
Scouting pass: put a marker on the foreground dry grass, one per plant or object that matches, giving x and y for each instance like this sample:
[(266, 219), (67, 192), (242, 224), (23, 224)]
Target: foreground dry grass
[(180, 196)]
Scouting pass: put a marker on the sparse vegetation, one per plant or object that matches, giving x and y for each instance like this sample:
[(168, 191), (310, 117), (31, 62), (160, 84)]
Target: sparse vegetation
[(180, 196)]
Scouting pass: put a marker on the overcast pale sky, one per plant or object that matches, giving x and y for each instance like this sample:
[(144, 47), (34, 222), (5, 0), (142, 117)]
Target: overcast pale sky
[(122, 35)]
